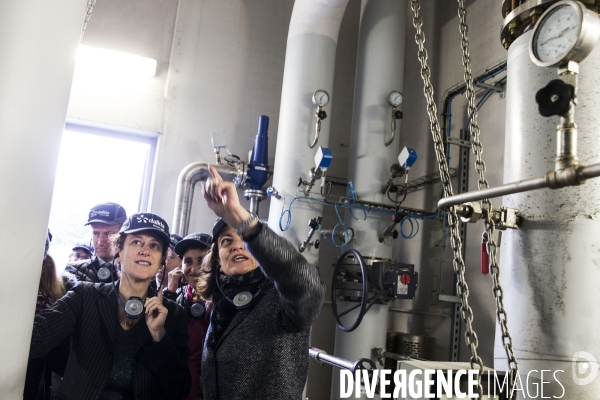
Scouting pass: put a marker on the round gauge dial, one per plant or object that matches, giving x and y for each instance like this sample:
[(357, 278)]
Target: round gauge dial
[(567, 31), (558, 34), (320, 98), (394, 99)]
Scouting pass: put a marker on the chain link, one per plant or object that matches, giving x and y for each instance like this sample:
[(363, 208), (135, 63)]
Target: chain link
[(486, 204), (88, 14), (458, 263)]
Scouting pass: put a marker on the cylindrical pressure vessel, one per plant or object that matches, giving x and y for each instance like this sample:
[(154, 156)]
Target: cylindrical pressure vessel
[(551, 264), (380, 70)]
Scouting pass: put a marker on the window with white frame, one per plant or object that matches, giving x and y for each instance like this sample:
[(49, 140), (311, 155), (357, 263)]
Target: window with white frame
[(97, 164)]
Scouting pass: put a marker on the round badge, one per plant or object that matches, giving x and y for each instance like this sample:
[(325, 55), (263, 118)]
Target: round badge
[(197, 309), (103, 273), (134, 307), (242, 299)]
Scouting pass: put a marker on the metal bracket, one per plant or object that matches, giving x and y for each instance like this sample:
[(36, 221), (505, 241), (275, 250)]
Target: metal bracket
[(498, 88), (505, 218), (449, 299), (459, 142)]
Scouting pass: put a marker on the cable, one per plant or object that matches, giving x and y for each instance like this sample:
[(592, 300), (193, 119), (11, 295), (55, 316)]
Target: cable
[(232, 160), (403, 197), (289, 215), (413, 232), (341, 223)]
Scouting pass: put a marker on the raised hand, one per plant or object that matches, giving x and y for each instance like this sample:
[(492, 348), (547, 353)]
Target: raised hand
[(222, 198), (156, 314)]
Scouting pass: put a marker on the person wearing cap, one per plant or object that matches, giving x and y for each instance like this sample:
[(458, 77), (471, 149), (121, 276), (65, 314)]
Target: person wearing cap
[(127, 342), (173, 261), (106, 220), (265, 297), (192, 250), (81, 251)]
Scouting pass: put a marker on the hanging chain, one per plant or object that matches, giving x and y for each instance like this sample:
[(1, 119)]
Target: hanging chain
[(486, 204), (458, 263), (88, 14)]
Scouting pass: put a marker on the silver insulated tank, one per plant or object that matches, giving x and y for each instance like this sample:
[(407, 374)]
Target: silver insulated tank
[(551, 265)]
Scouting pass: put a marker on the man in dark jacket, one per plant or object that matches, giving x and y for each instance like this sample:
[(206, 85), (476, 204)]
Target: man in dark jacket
[(106, 220)]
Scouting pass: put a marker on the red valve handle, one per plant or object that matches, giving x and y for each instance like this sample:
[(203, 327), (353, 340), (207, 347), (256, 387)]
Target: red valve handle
[(485, 259)]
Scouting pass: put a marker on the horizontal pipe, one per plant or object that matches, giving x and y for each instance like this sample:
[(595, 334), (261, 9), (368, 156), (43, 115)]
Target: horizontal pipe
[(510, 188), (582, 173), (591, 171), (322, 356), (189, 176)]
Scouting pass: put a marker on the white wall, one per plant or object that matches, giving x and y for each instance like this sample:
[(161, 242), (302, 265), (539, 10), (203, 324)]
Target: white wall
[(129, 27)]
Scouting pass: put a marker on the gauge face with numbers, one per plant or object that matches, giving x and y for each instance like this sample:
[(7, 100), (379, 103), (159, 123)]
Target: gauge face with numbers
[(566, 32), (320, 98), (557, 34), (394, 99)]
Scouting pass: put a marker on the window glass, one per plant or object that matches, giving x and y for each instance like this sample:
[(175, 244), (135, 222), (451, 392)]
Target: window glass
[(93, 169)]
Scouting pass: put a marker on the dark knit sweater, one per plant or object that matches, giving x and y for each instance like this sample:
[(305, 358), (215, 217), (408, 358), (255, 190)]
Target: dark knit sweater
[(263, 352)]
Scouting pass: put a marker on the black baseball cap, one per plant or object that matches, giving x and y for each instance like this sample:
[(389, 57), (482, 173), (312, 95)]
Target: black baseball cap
[(83, 246), (139, 222), (219, 224), (107, 213), (197, 239), (175, 238)]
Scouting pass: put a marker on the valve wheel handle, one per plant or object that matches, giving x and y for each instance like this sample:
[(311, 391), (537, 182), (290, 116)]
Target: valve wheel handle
[(364, 272), (555, 98)]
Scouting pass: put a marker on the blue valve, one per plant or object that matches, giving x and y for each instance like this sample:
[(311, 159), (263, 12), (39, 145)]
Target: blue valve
[(258, 168)]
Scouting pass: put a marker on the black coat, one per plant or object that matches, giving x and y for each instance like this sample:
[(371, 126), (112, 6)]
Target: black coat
[(89, 313), (263, 352), (87, 270)]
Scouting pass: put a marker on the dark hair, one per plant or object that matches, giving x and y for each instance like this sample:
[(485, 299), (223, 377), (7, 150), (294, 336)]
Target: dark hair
[(118, 241), (210, 265), (50, 283)]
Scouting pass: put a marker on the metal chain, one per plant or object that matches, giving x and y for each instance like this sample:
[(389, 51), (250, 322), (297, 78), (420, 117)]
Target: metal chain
[(88, 14), (486, 204), (458, 263)]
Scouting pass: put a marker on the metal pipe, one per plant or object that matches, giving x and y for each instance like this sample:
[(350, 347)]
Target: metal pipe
[(510, 188), (254, 205), (566, 141), (553, 179), (188, 177), (591, 171), (322, 356)]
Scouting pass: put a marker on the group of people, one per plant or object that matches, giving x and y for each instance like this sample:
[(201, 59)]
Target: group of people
[(152, 315)]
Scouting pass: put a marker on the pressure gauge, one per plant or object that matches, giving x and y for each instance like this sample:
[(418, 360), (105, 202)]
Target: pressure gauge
[(394, 99), (320, 98), (567, 31)]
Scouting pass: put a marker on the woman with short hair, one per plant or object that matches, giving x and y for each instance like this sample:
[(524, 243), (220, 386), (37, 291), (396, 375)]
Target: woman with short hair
[(126, 342), (265, 297)]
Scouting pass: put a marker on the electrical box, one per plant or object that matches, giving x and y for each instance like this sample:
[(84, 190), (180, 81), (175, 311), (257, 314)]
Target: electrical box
[(323, 158), (407, 157)]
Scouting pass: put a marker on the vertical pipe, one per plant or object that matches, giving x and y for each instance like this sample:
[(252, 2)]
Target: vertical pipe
[(551, 264), (379, 70), (38, 44), (309, 66)]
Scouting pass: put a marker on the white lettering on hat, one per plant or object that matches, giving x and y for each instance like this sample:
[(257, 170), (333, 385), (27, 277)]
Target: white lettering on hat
[(103, 213), (157, 224)]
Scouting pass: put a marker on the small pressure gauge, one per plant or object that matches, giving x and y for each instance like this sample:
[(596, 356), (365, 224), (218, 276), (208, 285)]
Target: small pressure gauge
[(567, 31), (320, 98), (394, 99)]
